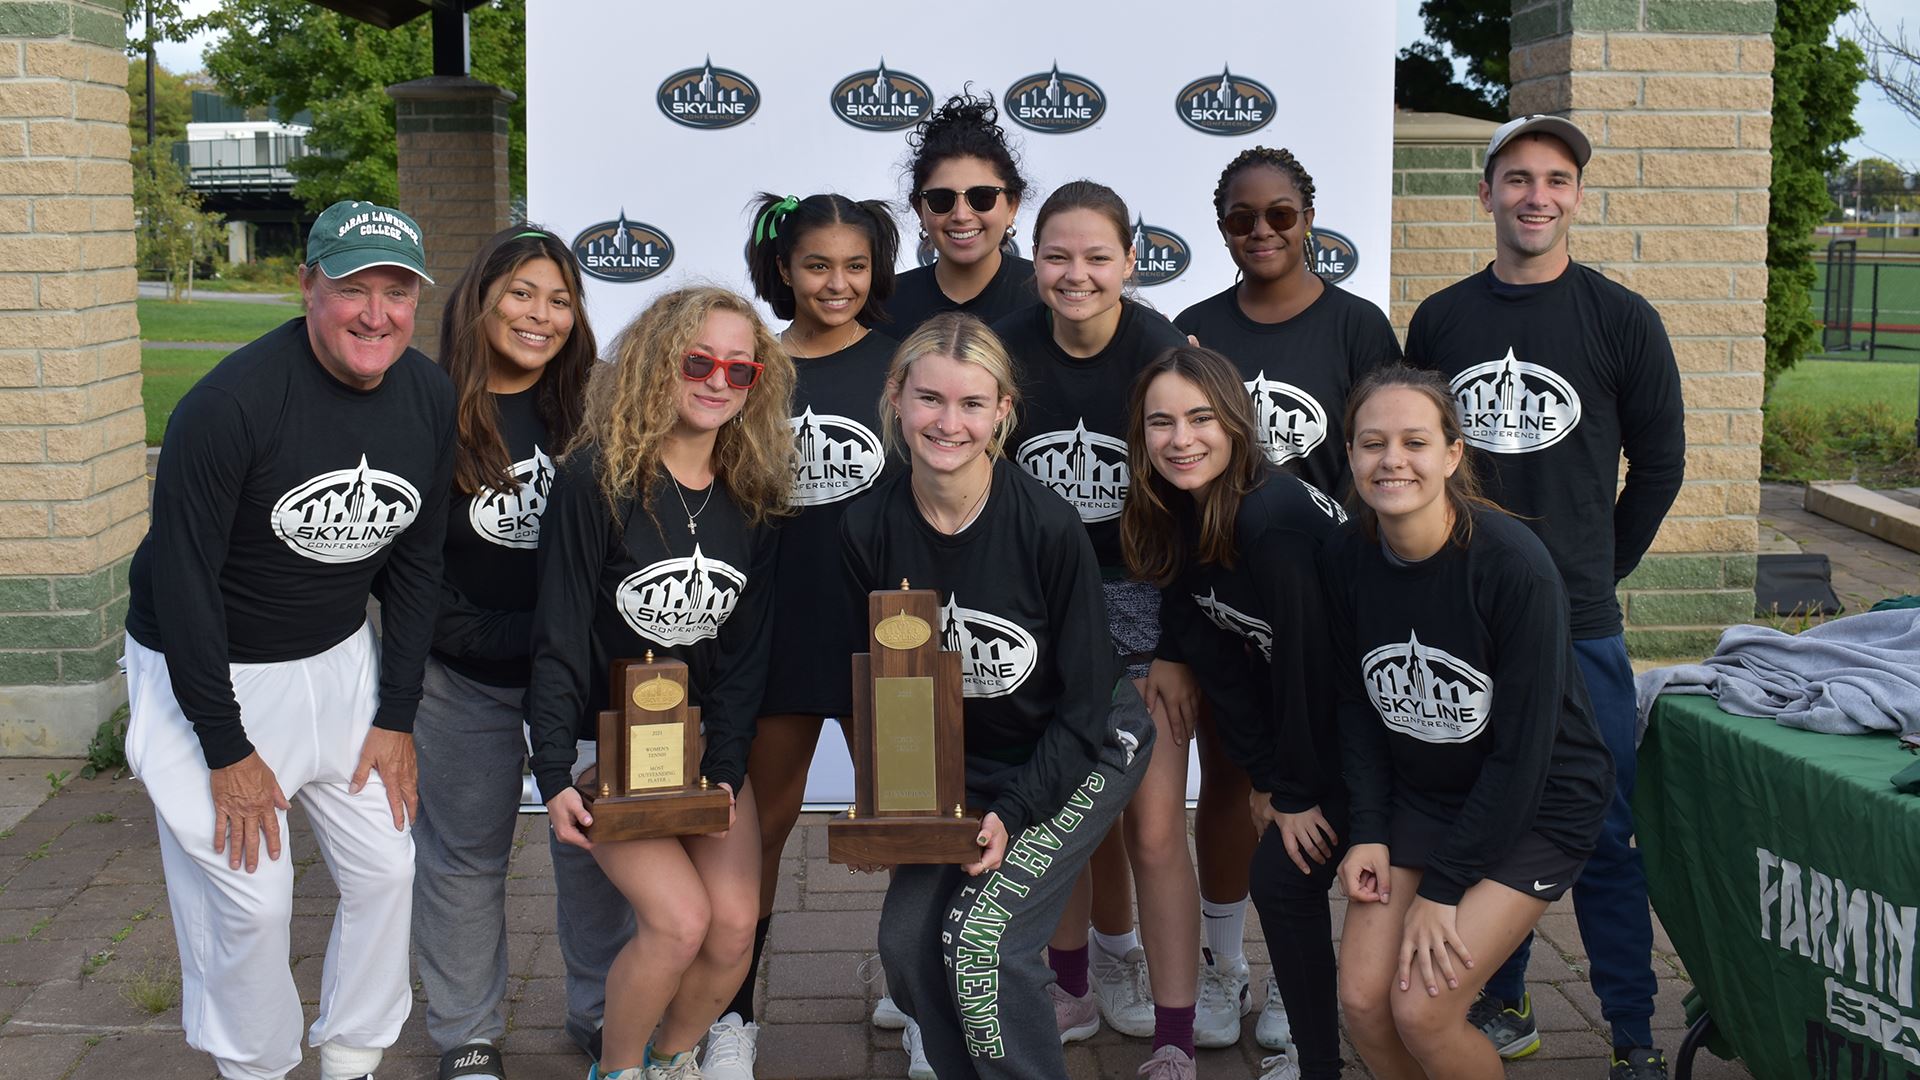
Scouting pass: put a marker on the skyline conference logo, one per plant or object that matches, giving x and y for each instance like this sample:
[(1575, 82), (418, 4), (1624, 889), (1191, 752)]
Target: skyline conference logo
[(708, 97), (1427, 693), (1159, 255), (996, 655), (1225, 104), (1054, 102), (881, 100), (345, 515), (1236, 622), (1325, 502), (1290, 421), (1086, 468), (512, 518), (835, 458), (623, 251), (680, 601), (1334, 256), (1508, 406)]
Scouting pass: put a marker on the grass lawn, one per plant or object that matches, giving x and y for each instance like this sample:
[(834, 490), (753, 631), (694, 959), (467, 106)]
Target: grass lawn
[(1825, 384), (165, 376), (209, 320), (1841, 420)]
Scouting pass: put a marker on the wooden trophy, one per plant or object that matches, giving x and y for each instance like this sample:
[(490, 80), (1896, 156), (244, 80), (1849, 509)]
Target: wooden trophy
[(909, 773), (649, 781)]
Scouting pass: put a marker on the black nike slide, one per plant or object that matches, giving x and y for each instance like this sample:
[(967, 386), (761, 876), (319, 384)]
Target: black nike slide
[(472, 1061)]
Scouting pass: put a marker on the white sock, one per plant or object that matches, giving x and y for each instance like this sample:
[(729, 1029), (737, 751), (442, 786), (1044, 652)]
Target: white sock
[(339, 1062), (1226, 926), (1116, 946)]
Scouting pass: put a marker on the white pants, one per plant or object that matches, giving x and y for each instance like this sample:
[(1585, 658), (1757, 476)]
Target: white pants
[(307, 719)]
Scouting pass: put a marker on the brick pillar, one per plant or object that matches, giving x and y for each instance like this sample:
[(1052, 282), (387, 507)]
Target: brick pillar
[(1677, 96), (1440, 234), (73, 492), (452, 133)]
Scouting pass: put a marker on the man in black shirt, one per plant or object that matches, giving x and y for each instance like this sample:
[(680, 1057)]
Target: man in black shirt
[(300, 468), (1558, 371)]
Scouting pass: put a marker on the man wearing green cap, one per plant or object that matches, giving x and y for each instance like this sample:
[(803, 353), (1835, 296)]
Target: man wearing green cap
[(301, 468)]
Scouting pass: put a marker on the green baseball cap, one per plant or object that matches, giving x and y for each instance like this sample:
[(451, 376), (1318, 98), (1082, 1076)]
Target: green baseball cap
[(350, 236)]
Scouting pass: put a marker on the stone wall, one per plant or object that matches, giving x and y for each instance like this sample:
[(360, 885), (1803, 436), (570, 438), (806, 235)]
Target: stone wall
[(72, 453)]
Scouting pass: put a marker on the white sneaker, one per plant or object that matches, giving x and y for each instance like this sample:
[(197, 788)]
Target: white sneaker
[(1223, 999), (1126, 997), (731, 1048), (1280, 1067), (917, 1067), (682, 1066), (888, 1015), (1274, 1031)]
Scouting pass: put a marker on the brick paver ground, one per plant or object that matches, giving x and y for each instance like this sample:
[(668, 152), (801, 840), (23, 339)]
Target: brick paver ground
[(89, 975)]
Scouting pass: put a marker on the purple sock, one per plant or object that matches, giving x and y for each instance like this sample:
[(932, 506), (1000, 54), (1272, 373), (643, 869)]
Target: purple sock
[(1070, 967), (1173, 1027)]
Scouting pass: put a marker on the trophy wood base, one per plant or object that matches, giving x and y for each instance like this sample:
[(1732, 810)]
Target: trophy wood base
[(902, 840), (657, 814)]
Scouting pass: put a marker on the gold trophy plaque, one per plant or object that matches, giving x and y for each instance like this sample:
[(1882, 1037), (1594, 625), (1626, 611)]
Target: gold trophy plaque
[(649, 782), (909, 770)]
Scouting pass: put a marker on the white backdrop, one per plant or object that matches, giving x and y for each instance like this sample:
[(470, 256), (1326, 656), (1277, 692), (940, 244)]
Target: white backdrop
[(602, 76)]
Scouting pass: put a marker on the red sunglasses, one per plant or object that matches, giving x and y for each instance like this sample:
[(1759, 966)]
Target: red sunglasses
[(741, 374)]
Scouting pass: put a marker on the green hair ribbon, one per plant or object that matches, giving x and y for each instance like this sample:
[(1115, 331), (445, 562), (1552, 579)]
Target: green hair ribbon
[(529, 232), (768, 226)]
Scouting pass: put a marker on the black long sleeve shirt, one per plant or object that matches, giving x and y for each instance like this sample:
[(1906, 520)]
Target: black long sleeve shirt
[(1460, 699), (1020, 601), (1073, 412), (1255, 636), (917, 297), (1299, 372), (840, 458), (613, 586), (485, 628), (1555, 380), (282, 493)]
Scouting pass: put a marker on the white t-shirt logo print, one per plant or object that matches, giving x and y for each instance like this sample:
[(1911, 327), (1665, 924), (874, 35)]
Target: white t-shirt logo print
[(835, 458), (996, 654), (1509, 406), (1291, 422), (680, 601), (512, 518), (345, 515), (1086, 468), (1427, 693)]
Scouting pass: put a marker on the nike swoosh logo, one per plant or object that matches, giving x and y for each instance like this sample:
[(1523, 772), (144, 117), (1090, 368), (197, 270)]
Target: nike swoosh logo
[(1537, 887)]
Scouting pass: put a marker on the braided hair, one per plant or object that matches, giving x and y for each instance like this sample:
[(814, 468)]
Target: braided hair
[(1281, 159)]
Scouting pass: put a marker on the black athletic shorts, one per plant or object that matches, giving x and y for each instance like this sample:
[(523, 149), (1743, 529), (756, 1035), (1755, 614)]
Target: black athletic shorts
[(1535, 866)]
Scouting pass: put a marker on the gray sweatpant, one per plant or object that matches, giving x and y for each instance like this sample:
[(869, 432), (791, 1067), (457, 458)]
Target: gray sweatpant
[(471, 746), (963, 954)]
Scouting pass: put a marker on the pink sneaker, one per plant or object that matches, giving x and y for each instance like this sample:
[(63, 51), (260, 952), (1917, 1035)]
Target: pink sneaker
[(1077, 1017), (1168, 1063)]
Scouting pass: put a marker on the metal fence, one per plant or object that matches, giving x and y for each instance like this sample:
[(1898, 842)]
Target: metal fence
[(1869, 303)]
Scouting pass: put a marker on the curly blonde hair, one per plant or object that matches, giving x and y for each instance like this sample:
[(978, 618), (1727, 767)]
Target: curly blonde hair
[(631, 408)]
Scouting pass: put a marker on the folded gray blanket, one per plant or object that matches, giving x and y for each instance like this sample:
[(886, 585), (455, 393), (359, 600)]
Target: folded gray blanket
[(1845, 677)]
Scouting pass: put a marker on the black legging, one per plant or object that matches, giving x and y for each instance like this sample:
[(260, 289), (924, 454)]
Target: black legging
[(1299, 930)]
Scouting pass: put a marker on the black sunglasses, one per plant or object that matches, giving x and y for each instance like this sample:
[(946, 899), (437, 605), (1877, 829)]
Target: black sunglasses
[(940, 200), (1241, 222)]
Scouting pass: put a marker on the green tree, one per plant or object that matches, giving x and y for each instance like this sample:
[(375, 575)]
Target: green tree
[(172, 103), (294, 55), (1475, 31), (1816, 84), (172, 234), (1872, 185)]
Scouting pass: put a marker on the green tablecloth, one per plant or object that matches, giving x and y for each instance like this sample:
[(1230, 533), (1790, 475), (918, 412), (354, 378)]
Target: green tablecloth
[(1786, 869)]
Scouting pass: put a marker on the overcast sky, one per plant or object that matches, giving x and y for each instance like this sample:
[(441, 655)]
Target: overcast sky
[(1888, 131)]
